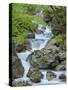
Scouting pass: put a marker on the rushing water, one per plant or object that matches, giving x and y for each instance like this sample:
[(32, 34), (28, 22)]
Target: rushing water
[(37, 44)]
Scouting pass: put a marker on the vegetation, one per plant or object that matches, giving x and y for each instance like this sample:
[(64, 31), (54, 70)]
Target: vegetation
[(22, 23), (25, 20), (58, 40)]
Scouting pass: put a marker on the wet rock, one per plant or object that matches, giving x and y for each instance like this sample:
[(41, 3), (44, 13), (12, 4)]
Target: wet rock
[(47, 18), (43, 59), (27, 44), (55, 62), (30, 35), (20, 48), (35, 75), (23, 47), (39, 31), (17, 68), (62, 77), (38, 60), (61, 66), (21, 83), (50, 75), (62, 56)]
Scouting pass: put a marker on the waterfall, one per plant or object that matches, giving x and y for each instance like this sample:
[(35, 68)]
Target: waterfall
[(38, 43)]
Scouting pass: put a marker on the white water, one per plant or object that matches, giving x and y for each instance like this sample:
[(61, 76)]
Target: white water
[(37, 44)]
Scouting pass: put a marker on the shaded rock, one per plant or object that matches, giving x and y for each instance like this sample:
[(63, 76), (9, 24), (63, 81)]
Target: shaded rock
[(37, 59), (17, 68), (62, 56), (27, 44), (20, 48), (21, 83), (23, 47), (50, 75), (35, 75), (39, 31), (30, 35), (61, 66), (47, 18), (62, 77)]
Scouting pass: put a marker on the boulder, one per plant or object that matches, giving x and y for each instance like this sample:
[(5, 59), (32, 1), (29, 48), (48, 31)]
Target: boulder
[(62, 77), (47, 18), (34, 74), (17, 68), (61, 66), (44, 59), (30, 36), (21, 83), (50, 57), (50, 75), (23, 47)]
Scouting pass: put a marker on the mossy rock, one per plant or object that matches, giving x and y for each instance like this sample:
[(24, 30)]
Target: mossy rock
[(21, 83), (61, 66), (34, 74), (50, 75), (17, 68)]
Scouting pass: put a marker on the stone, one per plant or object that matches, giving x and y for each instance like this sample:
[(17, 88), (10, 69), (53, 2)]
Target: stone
[(19, 48), (50, 57), (23, 47), (27, 45), (50, 75), (62, 77), (17, 68), (47, 18), (30, 36), (21, 83), (61, 66), (34, 74)]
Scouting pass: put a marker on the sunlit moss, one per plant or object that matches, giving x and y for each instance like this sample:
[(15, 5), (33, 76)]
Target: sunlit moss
[(58, 40)]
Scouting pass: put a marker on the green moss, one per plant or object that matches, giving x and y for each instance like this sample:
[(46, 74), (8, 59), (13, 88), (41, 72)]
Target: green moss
[(39, 21), (58, 40), (22, 25)]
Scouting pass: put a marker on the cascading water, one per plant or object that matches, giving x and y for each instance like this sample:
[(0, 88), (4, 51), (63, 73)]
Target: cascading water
[(37, 44)]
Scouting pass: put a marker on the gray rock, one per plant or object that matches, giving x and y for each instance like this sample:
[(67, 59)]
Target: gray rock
[(50, 75), (61, 66), (50, 57), (17, 68), (35, 75), (62, 77), (20, 83), (30, 36), (23, 47)]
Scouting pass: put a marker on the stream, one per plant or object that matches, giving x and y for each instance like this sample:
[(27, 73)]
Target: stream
[(38, 43)]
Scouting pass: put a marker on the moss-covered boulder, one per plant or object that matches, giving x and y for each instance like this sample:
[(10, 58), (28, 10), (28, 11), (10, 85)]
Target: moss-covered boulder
[(34, 74), (50, 75), (17, 68)]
